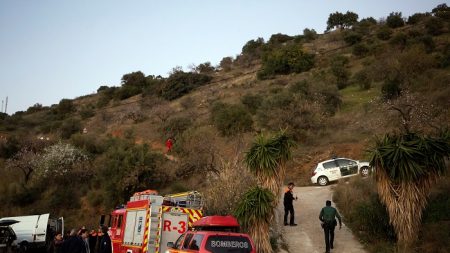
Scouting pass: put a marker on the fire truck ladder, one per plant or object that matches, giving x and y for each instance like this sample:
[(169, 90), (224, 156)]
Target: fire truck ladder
[(155, 228)]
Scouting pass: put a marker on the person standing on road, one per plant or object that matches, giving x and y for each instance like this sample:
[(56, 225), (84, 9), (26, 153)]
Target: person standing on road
[(328, 216), (288, 205), (105, 241)]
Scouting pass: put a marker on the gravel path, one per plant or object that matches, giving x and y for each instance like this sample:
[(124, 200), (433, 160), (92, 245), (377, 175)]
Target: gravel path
[(308, 236)]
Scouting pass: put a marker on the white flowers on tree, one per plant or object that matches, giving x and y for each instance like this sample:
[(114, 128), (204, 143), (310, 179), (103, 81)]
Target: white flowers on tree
[(58, 159)]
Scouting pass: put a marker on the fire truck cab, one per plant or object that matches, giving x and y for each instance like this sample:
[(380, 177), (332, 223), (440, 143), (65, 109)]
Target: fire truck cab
[(149, 221), (216, 234)]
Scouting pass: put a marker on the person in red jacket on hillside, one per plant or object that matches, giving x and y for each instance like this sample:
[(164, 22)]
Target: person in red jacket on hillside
[(169, 145)]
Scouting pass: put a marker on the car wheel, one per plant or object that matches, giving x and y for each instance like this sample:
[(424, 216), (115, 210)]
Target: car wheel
[(365, 171), (322, 181)]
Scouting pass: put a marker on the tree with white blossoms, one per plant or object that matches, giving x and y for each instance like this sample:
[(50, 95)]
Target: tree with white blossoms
[(59, 159)]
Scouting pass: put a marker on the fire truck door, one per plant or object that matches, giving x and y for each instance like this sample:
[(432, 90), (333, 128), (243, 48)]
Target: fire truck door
[(129, 227), (173, 225), (134, 228), (139, 227)]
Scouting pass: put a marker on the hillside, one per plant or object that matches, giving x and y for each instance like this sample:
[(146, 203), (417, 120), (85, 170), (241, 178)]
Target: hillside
[(333, 93)]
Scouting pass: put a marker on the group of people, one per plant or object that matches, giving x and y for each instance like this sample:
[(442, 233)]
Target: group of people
[(82, 241), (327, 216)]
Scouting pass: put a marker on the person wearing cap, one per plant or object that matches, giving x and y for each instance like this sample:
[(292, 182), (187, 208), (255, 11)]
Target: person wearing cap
[(328, 216)]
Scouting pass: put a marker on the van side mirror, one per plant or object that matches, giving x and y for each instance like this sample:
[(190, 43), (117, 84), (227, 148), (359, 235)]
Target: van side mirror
[(170, 245)]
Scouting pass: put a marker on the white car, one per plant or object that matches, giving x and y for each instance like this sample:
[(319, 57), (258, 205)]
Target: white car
[(338, 168)]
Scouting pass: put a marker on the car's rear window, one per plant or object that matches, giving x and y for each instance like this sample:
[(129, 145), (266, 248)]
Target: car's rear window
[(228, 244)]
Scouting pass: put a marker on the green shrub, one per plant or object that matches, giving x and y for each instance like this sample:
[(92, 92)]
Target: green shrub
[(417, 17), (25, 197), (285, 60), (444, 57), (364, 26), (128, 168), (88, 142), (340, 71), (125, 92), (69, 127), (9, 147), (434, 26), (442, 11), (226, 63), (103, 100), (362, 210), (87, 112), (301, 87), (351, 37), (400, 39), (427, 42), (309, 34), (50, 126), (384, 33), (174, 127), (231, 119), (134, 79), (35, 108), (362, 79), (180, 83), (68, 198), (252, 102), (63, 109), (95, 198), (391, 89), (360, 49), (279, 38), (395, 20), (253, 48)]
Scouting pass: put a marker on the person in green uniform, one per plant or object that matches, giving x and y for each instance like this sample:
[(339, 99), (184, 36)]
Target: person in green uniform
[(328, 216)]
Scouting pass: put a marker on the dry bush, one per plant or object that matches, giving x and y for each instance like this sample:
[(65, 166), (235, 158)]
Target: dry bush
[(226, 187)]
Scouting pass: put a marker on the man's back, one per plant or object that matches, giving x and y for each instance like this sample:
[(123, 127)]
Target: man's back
[(328, 213)]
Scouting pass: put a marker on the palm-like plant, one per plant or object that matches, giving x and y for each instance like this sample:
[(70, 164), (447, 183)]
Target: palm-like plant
[(255, 212), (407, 165), (267, 159)]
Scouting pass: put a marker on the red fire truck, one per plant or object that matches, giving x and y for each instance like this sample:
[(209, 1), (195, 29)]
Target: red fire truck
[(216, 234), (149, 221)]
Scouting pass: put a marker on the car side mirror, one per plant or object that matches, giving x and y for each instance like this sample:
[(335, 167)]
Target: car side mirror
[(170, 245)]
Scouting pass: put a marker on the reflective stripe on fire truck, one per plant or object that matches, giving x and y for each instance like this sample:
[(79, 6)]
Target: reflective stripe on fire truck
[(194, 214), (147, 225), (158, 233)]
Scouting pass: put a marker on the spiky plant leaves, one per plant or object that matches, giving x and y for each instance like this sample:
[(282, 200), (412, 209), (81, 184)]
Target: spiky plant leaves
[(255, 212), (407, 165), (267, 157)]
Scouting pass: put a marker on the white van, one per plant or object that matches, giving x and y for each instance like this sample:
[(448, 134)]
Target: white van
[(35, 231)]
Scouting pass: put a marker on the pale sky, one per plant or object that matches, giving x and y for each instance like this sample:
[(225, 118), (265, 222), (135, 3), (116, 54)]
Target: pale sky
[(55, 49)]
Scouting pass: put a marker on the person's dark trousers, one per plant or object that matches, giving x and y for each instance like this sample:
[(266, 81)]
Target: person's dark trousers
[(329, 237), (287, 210)]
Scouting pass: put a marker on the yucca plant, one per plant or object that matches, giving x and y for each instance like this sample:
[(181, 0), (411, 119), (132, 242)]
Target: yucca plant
[(267, 159), (407, 165), (255, 212)]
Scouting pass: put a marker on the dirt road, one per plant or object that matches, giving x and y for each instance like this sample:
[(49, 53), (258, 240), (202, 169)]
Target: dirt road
[(308, 236)]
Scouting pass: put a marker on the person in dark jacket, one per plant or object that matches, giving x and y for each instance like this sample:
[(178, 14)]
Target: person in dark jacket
[(105, 241), (328, 216), (56, 244), (288, 205), (73, 244)]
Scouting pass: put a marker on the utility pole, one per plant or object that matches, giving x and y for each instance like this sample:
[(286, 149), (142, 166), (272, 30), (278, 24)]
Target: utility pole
[(6, 104), (2, 106)]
